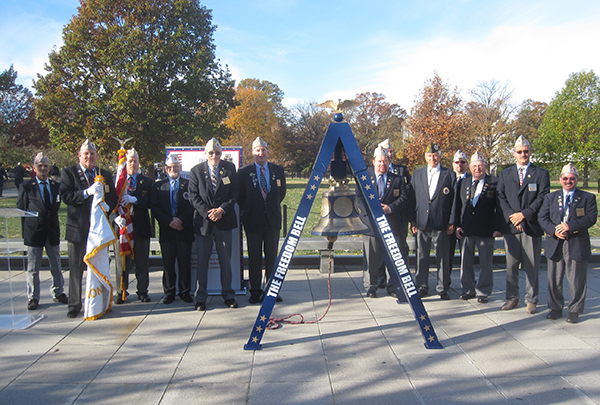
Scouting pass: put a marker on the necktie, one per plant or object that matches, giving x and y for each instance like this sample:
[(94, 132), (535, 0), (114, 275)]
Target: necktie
[(130, 185), (380, 186), (521, 175), (567, 206), (263, 183), (431, 187), (213, 178), (47, 199), (474, 191), (173, 197), (90, 175)]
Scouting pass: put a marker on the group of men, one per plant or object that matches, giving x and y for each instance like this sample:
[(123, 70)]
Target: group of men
[(200, 210), (445, 206)]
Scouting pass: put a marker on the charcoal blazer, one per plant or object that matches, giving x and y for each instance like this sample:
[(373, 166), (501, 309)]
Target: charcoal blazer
[(141, 216), (72, 184), (527, 198), (439, 208), (256, 211), (203, 198), (582, 215), (46, 227), (161, 208), (481, 219)]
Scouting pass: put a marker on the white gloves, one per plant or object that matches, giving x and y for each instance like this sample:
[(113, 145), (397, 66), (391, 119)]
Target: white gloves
[(120, 221), (128, 199), (94, 188)]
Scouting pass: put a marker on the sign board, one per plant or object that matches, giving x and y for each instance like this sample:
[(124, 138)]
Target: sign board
[(190, 156)]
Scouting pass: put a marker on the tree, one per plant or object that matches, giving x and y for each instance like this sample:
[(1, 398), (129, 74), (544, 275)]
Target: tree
[(374, 120), (436, 117), (135, 68), (570, 130), (259, 112), (490, 113), (529, 118), (303, 141)]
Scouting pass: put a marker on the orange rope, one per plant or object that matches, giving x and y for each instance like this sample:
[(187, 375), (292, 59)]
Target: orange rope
[(275, 323)]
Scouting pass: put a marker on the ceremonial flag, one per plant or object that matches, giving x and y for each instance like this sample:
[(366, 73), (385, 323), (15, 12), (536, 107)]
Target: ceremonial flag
[(124, 211), (99, 290)]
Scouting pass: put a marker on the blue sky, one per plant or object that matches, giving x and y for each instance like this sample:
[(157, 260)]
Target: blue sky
[(316, 50)]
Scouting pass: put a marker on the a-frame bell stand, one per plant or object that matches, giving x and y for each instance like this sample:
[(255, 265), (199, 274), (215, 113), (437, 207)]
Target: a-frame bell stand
[(339, 135)]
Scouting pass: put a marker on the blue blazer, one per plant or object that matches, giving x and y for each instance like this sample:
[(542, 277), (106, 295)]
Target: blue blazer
[(439, 207)]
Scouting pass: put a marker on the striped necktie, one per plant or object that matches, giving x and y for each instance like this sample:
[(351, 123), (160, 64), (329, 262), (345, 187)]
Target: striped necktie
[(213, 178), (263, 183)]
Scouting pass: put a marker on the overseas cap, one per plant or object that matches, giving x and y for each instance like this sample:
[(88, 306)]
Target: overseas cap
[(40, 157), (172, 159), (87, 145), (522, 142), (432, 148), (569, 169), (380, 151), (460, 155), (213, 144), (386, 144), (259, 142), (132, 153), (478, 157)]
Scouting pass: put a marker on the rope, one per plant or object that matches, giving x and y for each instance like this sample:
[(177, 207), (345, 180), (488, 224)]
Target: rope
[(275, 323)]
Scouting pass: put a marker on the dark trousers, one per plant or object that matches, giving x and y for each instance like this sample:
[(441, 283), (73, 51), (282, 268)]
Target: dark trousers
[(267, 240), (576, 273), (76, 268), (204, 244), (141, 253), (181, 252)]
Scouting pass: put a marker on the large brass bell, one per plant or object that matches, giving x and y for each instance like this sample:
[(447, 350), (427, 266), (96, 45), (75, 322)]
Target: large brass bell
[(339, 212)]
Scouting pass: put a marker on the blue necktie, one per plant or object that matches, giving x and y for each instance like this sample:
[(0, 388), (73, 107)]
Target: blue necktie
[(173, 197), (380, 186), (567, 206)]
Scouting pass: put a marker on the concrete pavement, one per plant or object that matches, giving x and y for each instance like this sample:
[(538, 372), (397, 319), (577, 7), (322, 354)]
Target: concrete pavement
[(364, 350)]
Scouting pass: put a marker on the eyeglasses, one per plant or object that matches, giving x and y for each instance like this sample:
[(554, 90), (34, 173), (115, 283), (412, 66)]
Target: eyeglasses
[(565, 179), (462, 162), (523, 152), (214, 152)]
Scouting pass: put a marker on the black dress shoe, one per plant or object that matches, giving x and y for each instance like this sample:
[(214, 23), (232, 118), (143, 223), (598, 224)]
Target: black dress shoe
[(371, 294), (554, 314), (144, 298), (423, 292), (467, 297), (61, 299), (169, 299), (279, 299), (482, 300), (118, 299), (393, 294), (254, 299), (186, 298), (200, 306), (444, 296), (573, 317), (73, 313), (231, 303), (32, 304)]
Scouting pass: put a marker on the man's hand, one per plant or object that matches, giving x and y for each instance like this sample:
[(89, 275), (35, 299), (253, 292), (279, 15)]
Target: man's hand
[(459, 233), (94, 188), (176, 224), (450, 230), (215, 214), (561, 230), (517, 218), (120, 221), (128, 199), (386, 209)]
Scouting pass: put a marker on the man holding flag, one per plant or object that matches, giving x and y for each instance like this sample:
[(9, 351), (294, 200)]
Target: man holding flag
[(134, 192), (77, 186)]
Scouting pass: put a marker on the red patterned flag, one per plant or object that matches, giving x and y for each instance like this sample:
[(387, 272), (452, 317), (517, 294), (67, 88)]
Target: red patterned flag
[(124, 212)]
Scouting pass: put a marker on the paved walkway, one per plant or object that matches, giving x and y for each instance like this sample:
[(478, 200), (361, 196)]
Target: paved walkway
[(363, 351)]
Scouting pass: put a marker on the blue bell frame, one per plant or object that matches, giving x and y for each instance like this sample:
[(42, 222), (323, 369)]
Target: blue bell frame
[(340, 134)]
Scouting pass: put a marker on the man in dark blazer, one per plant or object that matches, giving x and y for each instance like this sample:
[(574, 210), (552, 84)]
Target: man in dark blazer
[(474, 216), (138, 194), (460, 165), (434, 192), (521, 191), (401, 171), (395, 196), (77, 187), (41, 195), (214, 190), (565, 216), (262, 189), (172, 209)]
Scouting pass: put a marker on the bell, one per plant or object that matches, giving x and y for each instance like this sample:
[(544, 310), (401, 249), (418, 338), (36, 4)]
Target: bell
[(339, 212)]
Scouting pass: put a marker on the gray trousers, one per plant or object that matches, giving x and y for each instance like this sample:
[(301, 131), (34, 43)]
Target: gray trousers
[(576, 273), (34, 262), (76, 268), (439, 239), (485, 246), (522, 251), (204, 245)]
